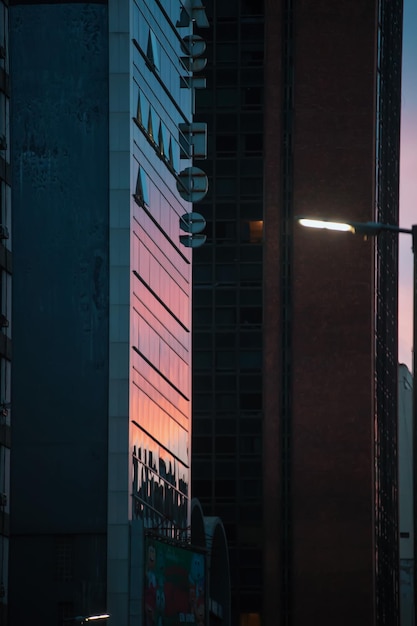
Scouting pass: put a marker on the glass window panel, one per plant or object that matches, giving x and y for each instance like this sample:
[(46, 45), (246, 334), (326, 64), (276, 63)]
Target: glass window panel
[(202, 340), (225, 340), (251, 186), (225, 296), (225, 401), (250, 360), (251, 253), (226, 53), (225, 360), (250, 340), (226, 445), (250, 445), (202, 401), (251, 211), (203, 382), (227, 97), (226, 122), (252, 31), (226, 186), (253, 143), (202, 488), (226, 31), (251, 166), (203, 316), (226, 273), (225, 426), (226, 144), (252, 97), (251, 272), (201, 426), (250, 315), (250, 297), (250, 401), (250, 425), (226, 316), (225, 382), (203, 273), (202, 445)]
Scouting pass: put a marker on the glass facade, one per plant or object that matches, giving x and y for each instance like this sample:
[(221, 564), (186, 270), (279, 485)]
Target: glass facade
[(160, 327), (227, 297)]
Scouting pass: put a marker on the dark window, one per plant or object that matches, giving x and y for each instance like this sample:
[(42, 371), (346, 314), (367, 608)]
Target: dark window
[(250, 315), (252, 7), (250, 425), (250, 401), (225, 209), (225, 426), (251, 186), (203, 382), (227, 97), (225, 445), (203, 316), (203, 273), (225, 402), (226, 186), (202, 340), (250, 340), (202, 488), (226, 77), (252, 97), (252, 31), (225, 488), (226, 273), (202, 425), (225, 382), (251, 297), (226, 230), (250, 360), (226, 317), (202, 401), (250, 445), (202, 445), (225, 360), (202, 360), (226, 296), (253, 144), (226, 144), (226, 31), (226, 122), (225, 340), (251, 272)]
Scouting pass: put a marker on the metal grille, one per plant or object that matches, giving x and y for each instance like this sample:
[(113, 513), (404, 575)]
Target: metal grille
[(386, 344)]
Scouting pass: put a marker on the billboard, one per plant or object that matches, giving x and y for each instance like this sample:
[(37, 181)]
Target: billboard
[(175, 579)]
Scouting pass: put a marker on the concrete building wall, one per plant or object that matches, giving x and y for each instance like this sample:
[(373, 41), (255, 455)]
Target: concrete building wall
[(59, 61), (5, 309)]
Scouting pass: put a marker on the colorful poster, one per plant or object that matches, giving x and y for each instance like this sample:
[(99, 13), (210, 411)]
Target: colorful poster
[(174, 585)]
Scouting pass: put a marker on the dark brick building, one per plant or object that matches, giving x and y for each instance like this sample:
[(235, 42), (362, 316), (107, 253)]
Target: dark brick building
[(295, 349)]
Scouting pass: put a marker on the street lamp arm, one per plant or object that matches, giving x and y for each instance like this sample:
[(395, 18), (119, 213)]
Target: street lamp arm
[(369, 229)]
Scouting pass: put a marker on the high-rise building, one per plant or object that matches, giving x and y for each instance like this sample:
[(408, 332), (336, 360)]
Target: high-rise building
[(103, 146), (295, 349), (5, 308), (406, 491)]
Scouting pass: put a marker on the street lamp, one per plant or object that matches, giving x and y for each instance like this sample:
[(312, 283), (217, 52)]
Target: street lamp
[(83, 619), (373, 229)]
